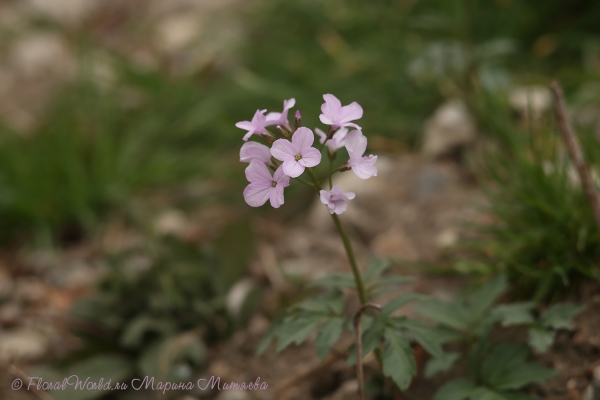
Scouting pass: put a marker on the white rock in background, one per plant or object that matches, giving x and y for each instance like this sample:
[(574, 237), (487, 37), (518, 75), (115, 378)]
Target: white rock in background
[(535, 98), (237, 295), (177, 31), (42, 53), (22, 344), (67, 12), (449, 128)]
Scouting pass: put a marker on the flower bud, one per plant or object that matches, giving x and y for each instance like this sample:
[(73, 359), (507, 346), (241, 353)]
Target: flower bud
[(345, 167), (268, 137), (298, 120), (284, 132)]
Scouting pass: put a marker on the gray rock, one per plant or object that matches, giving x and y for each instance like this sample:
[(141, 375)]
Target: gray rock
[(451, 127)]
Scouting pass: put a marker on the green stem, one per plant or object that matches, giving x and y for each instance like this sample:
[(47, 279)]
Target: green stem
[(362, 294)]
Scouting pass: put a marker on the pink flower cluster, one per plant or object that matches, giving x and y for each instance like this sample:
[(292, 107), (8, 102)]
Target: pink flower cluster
[(290, 158)]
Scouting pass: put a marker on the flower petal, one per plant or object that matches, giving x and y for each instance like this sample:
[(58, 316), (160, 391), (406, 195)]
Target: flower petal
[(303, 138), (340, 207), (276, 196), (322, 135), (325, 119), (332, 107), (310, 157), (283, 150), (351, 112), (255, 151), (292, 168), (287, 104), (282, 179), (324, 195), (351, 125), (245, 125), (273, 117), (256, 194), (356, 143), (257, 171), (365, 168), (350, 195)]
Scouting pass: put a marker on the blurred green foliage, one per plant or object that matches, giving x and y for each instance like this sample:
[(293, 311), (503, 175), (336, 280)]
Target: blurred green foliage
[(543, 235)]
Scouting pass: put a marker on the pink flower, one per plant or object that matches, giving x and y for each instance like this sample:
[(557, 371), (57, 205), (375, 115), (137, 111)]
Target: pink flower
[(255, 151), (297, 154), (335, 200), (256, 126), (275, 118), (336, 142), (263, 186), (336, 115), (363, 167)]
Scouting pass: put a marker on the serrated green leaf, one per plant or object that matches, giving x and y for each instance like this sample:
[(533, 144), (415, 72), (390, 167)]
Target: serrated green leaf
[(560, 316), (425, 336), (515, 313), (328, 335), (522, 375), (269, 337), (484, 297), (398, 358), (505, 368), (296, 330), (444, 313), (440, 364), (392, 280), (376, 268), (459, 389), (483, 393), (136, 329), (502, 358), (541, 339), (338, 280), (400, 301), (371, 337)]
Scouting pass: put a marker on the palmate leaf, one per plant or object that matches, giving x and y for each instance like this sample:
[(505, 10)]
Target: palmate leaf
[(329, 334), (398, 358), (449, 314), (560, 316), (465, 390), (505, 368), (431, 339), (296, 330), (337, 280), (440, 364), (371, 337), (459, 389), (377, 267), (541, 339), (400, 301), (483, 298), (515, 313)]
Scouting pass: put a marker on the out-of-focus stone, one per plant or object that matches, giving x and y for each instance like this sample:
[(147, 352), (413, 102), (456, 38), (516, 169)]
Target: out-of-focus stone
[(177, 31), (171, 222), (6, 284), (66, 12), (395, 244), (30, 291), (22, 345), (446, 238), (237, 295), (42, 53), (449, 129), (535, 99)]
